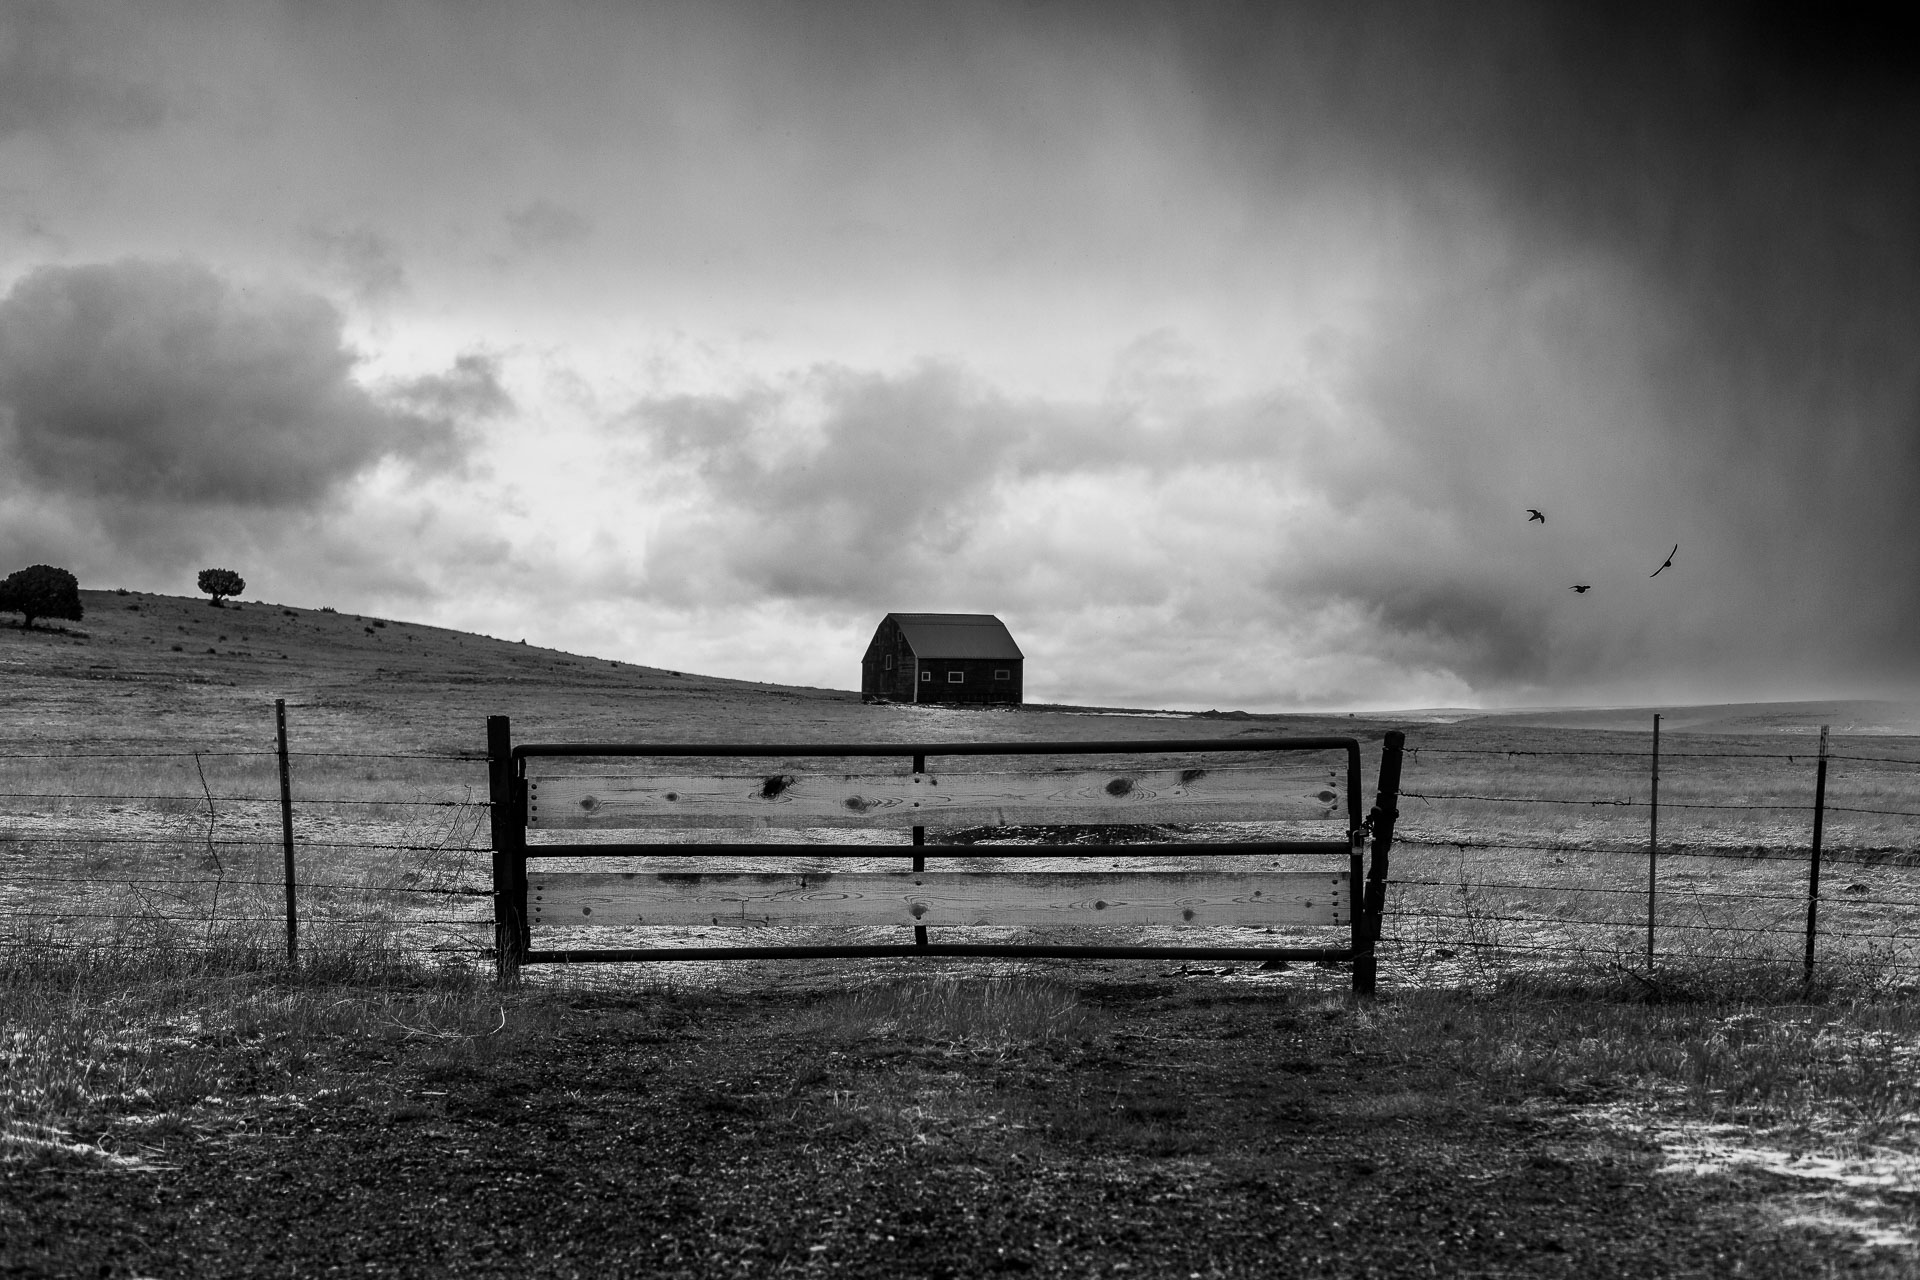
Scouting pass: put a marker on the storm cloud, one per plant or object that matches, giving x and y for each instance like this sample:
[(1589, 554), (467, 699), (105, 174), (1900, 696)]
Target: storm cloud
[(1654, 272), (1220, 347), (53, 77), (837, 485), (162, 397)]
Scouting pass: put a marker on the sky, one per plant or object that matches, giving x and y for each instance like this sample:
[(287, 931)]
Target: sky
[(1221, 350)]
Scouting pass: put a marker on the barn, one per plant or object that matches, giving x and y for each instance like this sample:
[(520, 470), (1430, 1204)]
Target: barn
[(953, 658)]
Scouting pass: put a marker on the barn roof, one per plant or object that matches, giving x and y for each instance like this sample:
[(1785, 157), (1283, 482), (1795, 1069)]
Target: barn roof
[(956, 635)]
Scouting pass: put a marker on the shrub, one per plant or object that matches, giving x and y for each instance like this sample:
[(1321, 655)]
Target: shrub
[(41, 591), (221, 583)]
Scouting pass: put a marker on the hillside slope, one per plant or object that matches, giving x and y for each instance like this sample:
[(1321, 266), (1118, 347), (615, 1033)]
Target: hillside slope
[(172, 668), (169, 667)]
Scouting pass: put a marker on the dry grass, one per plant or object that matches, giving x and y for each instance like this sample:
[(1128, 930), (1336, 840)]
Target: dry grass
[(1709, 1047), (111, 1046), (1505, 897), (983, 1015)]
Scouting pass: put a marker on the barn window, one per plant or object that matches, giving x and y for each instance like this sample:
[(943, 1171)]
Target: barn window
[(889, 665), (926, 675), (956, 677), (1001, 673)]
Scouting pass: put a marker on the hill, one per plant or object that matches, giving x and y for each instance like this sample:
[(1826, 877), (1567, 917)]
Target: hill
[(1868, 717), (143, 666)]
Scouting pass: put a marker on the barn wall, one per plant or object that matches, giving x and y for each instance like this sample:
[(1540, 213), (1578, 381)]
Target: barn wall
[(901, 683), (978, 687), (876, 681)]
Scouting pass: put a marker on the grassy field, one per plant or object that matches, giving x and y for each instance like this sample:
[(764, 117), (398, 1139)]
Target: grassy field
[(150, 1013), (141, 792), (183, 1113)]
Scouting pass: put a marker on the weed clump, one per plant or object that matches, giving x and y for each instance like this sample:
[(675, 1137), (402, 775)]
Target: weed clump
[(113, 1046), (994, 1014)]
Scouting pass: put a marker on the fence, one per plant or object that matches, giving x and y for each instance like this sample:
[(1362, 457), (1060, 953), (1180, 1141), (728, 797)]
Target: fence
[(1527, 851), (1647, 853), (258, 844)]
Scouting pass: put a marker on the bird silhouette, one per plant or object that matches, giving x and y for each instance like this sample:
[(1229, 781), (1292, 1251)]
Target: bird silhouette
[(1533, 515), (1669, 562), (1581, 587)]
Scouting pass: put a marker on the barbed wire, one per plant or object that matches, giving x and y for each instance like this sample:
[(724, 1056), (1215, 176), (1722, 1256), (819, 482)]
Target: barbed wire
[(124, 755), (267, 753), (1641, 923), (231, 799), (317, 919), (1626, 755), (1635, 954), (300, 842), (91, 944), (186, 906), (1597, 803), (1647, 754), (1669, 893), (232, 882), (1829, 856)]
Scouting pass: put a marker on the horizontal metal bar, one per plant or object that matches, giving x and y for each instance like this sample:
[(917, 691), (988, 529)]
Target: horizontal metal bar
[(1016, 949), (723, 749), (1254, 849)]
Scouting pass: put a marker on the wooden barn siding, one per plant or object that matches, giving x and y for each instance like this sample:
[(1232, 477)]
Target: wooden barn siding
[(979, 686), (899, 683), (875, 679)]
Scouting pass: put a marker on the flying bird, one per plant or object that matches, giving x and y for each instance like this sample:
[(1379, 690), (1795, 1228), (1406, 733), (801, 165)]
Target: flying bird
[(1533, 515), (1581, 587), (1669, 562)]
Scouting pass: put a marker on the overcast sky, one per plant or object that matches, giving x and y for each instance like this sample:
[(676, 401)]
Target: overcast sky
[(1219, 349)]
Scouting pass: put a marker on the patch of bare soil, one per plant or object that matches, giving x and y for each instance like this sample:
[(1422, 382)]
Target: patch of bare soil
[(1178, 1127)]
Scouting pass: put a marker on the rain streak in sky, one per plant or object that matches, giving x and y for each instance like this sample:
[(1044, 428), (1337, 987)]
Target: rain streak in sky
[(1221, 350)]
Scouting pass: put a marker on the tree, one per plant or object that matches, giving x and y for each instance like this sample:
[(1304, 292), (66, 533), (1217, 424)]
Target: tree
[(41, 591), (221, 583)]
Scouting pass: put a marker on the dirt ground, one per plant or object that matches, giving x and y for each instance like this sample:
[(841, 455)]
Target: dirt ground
[(1191, 1126), (1181, 1127)]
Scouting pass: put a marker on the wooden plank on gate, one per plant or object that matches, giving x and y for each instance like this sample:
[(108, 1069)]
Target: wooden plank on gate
[(1256, 794), (1199, 898)]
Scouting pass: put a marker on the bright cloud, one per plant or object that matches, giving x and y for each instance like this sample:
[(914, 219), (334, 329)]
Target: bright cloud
[(1219, 351)]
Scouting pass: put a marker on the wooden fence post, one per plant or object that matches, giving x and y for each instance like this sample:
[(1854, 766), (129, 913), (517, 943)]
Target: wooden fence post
[(509, 851), (1653, 839), (286, 831), (1813, 861), (919, 859), (1386, 809)]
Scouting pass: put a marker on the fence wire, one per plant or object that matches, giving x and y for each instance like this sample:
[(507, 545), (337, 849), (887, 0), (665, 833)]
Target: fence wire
[(1512, 854), (1509, 855), (137, 841)]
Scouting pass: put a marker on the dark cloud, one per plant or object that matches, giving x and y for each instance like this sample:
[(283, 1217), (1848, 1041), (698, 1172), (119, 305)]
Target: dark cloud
[(56, 75), (362, 259), (836, 485), (1672, 291), (430, 410), (150, 411), (161, 380), (544, 224)]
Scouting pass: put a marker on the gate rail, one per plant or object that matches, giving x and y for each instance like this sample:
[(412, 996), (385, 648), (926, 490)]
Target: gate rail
[(512, 812)]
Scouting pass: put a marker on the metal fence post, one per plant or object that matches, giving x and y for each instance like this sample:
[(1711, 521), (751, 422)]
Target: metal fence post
[(509, 862), (1813, 861), (1386, 808), (1653, 839), (286, 832)]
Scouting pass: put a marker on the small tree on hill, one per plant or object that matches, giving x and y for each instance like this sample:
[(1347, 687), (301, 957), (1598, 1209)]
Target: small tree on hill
[(41, 591), (221, 583)]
